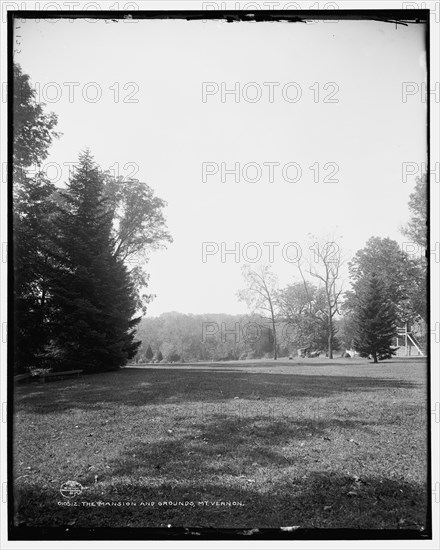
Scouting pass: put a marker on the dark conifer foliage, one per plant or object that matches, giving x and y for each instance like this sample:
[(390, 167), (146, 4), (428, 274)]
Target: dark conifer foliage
[(92, 292), (375, 320), (149, 354)]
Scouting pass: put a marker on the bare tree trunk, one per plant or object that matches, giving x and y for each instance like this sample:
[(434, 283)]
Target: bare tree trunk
[(272, 315), (275, 344), (330, 337)]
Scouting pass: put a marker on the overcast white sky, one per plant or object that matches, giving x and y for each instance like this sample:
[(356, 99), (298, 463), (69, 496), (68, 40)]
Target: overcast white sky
[(170, 132)]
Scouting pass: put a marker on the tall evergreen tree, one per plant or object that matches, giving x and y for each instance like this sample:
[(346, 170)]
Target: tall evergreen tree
[(91, 288), (375, 320), (149, 354)]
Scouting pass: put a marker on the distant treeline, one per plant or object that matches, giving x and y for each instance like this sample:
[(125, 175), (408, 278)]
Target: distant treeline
[(221, 337)]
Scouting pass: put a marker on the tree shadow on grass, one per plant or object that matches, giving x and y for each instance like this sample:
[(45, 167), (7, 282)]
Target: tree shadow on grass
[(136, 387), (258, 462), (318, 500), (236, 447)]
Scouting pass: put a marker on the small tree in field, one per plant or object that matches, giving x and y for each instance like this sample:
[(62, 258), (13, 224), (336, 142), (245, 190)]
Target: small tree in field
[(260, 293), (375, 320), (149, 354), (325, 264), (159, 356)]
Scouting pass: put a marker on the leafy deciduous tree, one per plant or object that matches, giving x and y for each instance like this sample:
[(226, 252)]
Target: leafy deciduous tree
[(260, 295), (325, 265), (33, 212), (417, 232), (398, 273), (139, 227), (33, 129), (417, 228), (301, 306)]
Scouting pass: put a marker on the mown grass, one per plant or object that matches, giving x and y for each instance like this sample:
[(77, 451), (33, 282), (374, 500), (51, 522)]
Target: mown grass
[(310, 443)]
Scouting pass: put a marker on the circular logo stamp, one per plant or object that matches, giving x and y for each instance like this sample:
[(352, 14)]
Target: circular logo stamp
[(71, 489)]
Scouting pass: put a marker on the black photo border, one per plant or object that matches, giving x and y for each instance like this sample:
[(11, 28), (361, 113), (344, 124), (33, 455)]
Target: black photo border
[(24, 533)]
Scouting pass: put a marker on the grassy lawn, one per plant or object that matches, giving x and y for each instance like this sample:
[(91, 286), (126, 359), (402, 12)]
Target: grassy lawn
[(310, 443)]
